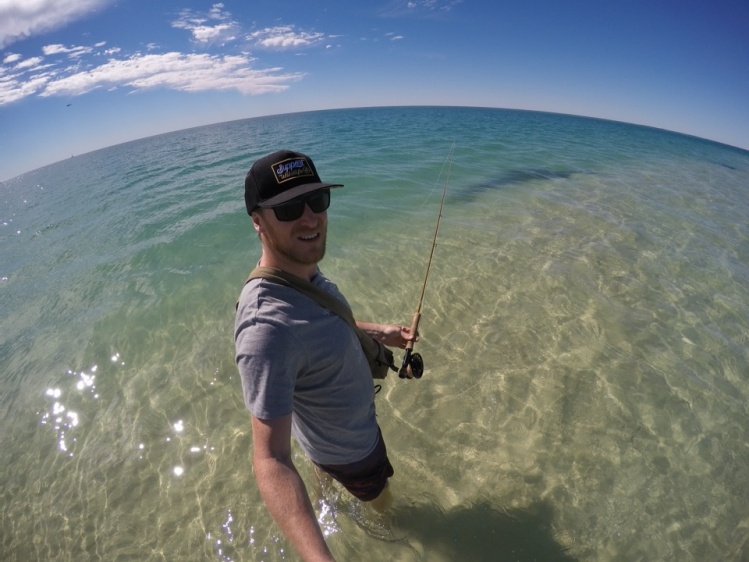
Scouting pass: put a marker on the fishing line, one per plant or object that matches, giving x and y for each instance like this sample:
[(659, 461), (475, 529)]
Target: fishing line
[(437, 181), (413, 364)]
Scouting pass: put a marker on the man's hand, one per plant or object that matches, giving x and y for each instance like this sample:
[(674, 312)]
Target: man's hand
[(390, 335)]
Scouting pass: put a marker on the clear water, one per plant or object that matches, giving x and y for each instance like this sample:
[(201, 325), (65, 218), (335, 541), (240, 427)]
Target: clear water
[(585, 331)]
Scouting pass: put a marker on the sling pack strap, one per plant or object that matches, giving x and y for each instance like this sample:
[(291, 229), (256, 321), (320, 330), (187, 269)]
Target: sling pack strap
[(317, 294), (379, 357)]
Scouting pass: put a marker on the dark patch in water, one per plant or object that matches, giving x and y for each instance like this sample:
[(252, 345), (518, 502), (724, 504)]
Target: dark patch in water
[(726, 166), (481, 532), (517, 177)]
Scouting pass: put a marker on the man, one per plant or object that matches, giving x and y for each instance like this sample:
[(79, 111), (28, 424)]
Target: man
[(302, 367)]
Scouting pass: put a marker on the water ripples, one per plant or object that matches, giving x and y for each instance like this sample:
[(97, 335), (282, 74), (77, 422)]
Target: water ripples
[(584, 334)]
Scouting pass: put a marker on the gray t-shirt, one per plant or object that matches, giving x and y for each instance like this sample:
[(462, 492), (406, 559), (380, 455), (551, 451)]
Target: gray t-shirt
[(297, 357)]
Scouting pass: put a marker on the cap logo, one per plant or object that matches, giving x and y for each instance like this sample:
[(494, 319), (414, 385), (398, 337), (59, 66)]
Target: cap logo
[(292, 168)]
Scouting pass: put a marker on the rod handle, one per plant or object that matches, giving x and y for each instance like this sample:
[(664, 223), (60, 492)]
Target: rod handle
[(414, 329)]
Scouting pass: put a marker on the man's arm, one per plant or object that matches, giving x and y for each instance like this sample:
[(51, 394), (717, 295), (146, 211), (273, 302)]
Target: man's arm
[(388, 334), (283, 489)]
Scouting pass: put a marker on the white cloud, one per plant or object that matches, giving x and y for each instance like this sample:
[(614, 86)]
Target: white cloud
[(216, 11), (177, 71), (12, 89), (29, 63), (23, 18), (439, 5), (54, 75), (214, 27), (11, 58), (285, 37), (418, 8), (72, 52), (212, 34)]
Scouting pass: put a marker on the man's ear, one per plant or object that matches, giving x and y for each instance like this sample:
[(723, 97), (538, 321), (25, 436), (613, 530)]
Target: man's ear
[(257, 222)]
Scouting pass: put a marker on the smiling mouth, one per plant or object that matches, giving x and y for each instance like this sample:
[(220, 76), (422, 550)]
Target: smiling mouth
[(309, 237)]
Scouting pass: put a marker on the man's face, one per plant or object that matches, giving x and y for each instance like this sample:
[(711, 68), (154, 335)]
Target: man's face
[(300, 242)]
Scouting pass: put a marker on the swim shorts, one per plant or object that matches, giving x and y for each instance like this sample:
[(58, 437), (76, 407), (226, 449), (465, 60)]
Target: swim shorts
[(367, 478)]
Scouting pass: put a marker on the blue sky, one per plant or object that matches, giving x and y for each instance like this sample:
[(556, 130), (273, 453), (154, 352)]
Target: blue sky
[(77, 75)]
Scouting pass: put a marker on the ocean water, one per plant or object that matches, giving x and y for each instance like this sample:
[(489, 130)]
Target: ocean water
[(585, 332)]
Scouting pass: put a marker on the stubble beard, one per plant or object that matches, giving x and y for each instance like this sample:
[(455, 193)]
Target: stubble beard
[(294, 251)]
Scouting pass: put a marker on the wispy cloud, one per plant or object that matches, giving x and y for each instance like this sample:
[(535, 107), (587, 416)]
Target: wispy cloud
[(432, 5), (285, 37), (24, 18), (71, 52), (419, 8), (176, 71), (71, 70), (213, 27), (33, 62)]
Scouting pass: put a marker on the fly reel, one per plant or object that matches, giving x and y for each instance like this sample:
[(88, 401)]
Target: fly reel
[(413, 366)]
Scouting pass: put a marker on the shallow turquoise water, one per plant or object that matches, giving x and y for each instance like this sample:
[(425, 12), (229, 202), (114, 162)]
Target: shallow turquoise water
[(585, 332)]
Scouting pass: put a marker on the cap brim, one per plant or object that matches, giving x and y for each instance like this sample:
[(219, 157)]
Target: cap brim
[(295, 192)]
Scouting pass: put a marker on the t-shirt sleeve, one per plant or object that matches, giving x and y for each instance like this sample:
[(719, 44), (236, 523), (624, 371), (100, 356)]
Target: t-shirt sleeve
[(269, 360)]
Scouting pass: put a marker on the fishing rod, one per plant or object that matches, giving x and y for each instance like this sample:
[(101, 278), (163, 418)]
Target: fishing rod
[(413, 364)]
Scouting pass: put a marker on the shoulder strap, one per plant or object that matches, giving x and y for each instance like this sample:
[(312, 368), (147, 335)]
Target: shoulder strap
[(379, 357), (322, 297)]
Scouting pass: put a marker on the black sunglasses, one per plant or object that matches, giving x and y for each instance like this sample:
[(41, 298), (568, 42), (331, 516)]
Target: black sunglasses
[(318, 201)]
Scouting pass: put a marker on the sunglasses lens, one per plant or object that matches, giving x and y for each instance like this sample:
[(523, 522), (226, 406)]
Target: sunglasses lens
[(291, 211), (320, 201)]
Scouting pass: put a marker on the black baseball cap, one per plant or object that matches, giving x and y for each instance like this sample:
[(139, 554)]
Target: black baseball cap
[(281, 177)]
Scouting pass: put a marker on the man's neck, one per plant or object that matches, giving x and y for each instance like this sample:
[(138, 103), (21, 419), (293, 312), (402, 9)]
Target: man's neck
[(306, 272)]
